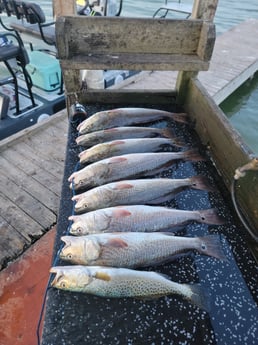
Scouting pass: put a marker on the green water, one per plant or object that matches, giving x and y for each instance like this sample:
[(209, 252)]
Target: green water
[(242, 111)]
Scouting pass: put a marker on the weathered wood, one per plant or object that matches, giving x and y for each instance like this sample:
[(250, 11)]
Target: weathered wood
[(225, 146), (98, 42), (27, 182), (12, 243), (203, 9), (128, 96), (31, 131), (62, 8), (19, 219)]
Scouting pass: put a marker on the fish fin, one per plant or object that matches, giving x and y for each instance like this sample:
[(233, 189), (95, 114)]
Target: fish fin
[(168, 133), (117, 159), (201, 183), (102, 276), (122, 185), (116, 243), (121, 212), (192, 155), (211, 245), (211, 216), (199, 296), (180, 117)]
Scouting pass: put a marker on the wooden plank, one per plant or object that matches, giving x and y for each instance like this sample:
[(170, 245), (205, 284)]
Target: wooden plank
[(47, 164), (21, 160), (30, 131), (144, 96), (29, 184), (225, 146), (27, 203), (19, 219), (12, 243), (86, 36)]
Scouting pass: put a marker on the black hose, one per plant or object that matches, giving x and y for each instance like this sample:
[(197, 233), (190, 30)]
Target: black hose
[(241, 217)]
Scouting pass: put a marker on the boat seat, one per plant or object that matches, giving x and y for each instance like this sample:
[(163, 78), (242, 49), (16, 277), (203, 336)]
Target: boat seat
[(174, 6), (8, 52)]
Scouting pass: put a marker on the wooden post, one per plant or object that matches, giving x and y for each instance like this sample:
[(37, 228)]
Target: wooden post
[(64, 7), (202, 9)]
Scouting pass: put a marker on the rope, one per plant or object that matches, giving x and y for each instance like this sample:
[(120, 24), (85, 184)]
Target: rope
[(241, 172)]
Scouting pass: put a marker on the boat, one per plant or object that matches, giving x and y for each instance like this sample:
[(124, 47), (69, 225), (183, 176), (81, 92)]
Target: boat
[(32, 91), (231, 285)]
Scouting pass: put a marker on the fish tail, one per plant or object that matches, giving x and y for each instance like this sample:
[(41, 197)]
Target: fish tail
[(201, 183), (193, 155), (168, 133), (210, 216), (198, 296), (211, 245), (180, 117)]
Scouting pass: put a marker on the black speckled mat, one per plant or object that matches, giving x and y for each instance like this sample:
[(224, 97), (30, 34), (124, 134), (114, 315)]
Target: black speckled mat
[(230, 286)]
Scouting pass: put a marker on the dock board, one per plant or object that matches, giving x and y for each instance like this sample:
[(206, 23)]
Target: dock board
[(234, 60), (31, 166)]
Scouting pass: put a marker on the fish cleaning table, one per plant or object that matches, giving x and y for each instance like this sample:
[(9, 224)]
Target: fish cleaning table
[(230, 286)]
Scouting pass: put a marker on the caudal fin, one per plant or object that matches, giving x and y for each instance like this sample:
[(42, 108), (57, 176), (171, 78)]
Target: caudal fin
[(198, 296), (201, 183), (180, 117), (210, 216), (211, 245), (192, 155)]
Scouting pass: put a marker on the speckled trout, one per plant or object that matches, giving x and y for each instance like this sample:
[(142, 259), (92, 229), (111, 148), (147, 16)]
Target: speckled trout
[(133, 192), (139, 218), (126, 116), (123, 282), (135, 249), (121, 147), (132, 165), (90, 139)]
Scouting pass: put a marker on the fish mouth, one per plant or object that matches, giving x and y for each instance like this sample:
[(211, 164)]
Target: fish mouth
[(57, 275)]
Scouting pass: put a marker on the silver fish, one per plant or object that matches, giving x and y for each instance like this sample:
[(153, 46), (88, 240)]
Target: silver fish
[(123, 282), (139, 218), (125, 146), (135, 249), (127, 166), (133, 192), (90, 139), (126, 116)]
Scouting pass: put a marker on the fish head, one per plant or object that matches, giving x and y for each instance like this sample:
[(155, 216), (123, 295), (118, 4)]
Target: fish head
[(81, 179), (72, 278), (83, 203), (93, 123), (78, 228), (80, 250), (72, 250)]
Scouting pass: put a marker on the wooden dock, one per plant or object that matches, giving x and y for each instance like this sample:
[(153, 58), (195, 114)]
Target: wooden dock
[(234, 60), (31, 167), (32, 162)]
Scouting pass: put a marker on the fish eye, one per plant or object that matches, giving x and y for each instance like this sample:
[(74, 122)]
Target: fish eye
[(85, 205), (80, 182), (203, 246), (63, 285), (69, 256), (79, 230)]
